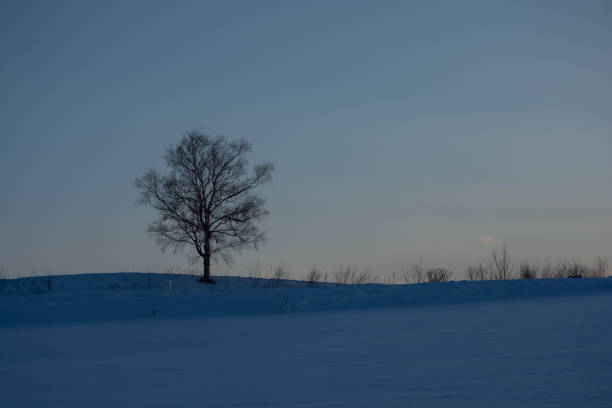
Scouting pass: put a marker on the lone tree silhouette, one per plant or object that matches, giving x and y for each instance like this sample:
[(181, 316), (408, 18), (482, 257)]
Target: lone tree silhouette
[(207, 201)]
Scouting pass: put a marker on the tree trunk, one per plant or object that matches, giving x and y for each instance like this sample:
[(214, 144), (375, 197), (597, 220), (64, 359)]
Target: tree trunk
[(206, 276)]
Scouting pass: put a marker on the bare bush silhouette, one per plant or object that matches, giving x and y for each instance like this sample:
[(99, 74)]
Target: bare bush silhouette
[(476, 272), (279, 274), (438, 275), (562, 269), (579, 270), (206, 202), (547, 271), (501, 268), (600, 270), (571, 269), (351, 276), (255, 274), (415, 272), (528, 271), (343, 275), (364, 277), (314, 276)]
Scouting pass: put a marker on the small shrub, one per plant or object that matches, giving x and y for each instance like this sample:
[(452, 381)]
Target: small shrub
[(438, 275), (313, 277), (476, 272), (527, 270), (343, 275), (571, 269), (278, 274), (363, 277), (351, 276), (600, 270), (415, 273), (547, 271), (255, 274)]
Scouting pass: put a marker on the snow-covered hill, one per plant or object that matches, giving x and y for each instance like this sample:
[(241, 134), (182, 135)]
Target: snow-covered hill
[(127, 296), (125, 340)]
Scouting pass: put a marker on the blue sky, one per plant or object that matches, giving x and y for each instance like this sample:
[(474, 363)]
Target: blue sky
[(398, 130)]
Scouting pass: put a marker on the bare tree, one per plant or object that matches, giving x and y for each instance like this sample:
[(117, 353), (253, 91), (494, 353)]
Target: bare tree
[(500, 267), (206, 202)]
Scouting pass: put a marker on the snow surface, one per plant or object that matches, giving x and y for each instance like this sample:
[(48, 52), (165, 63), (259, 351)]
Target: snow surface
[(124, 340)]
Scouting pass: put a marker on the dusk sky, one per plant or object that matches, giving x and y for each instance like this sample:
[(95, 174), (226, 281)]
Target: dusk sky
[(398, 130)]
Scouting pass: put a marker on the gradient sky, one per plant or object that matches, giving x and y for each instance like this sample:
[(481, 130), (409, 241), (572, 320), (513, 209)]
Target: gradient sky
[(398, 130)]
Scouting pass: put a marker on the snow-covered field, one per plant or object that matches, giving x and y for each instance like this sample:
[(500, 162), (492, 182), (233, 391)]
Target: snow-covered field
[(126, 341)]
